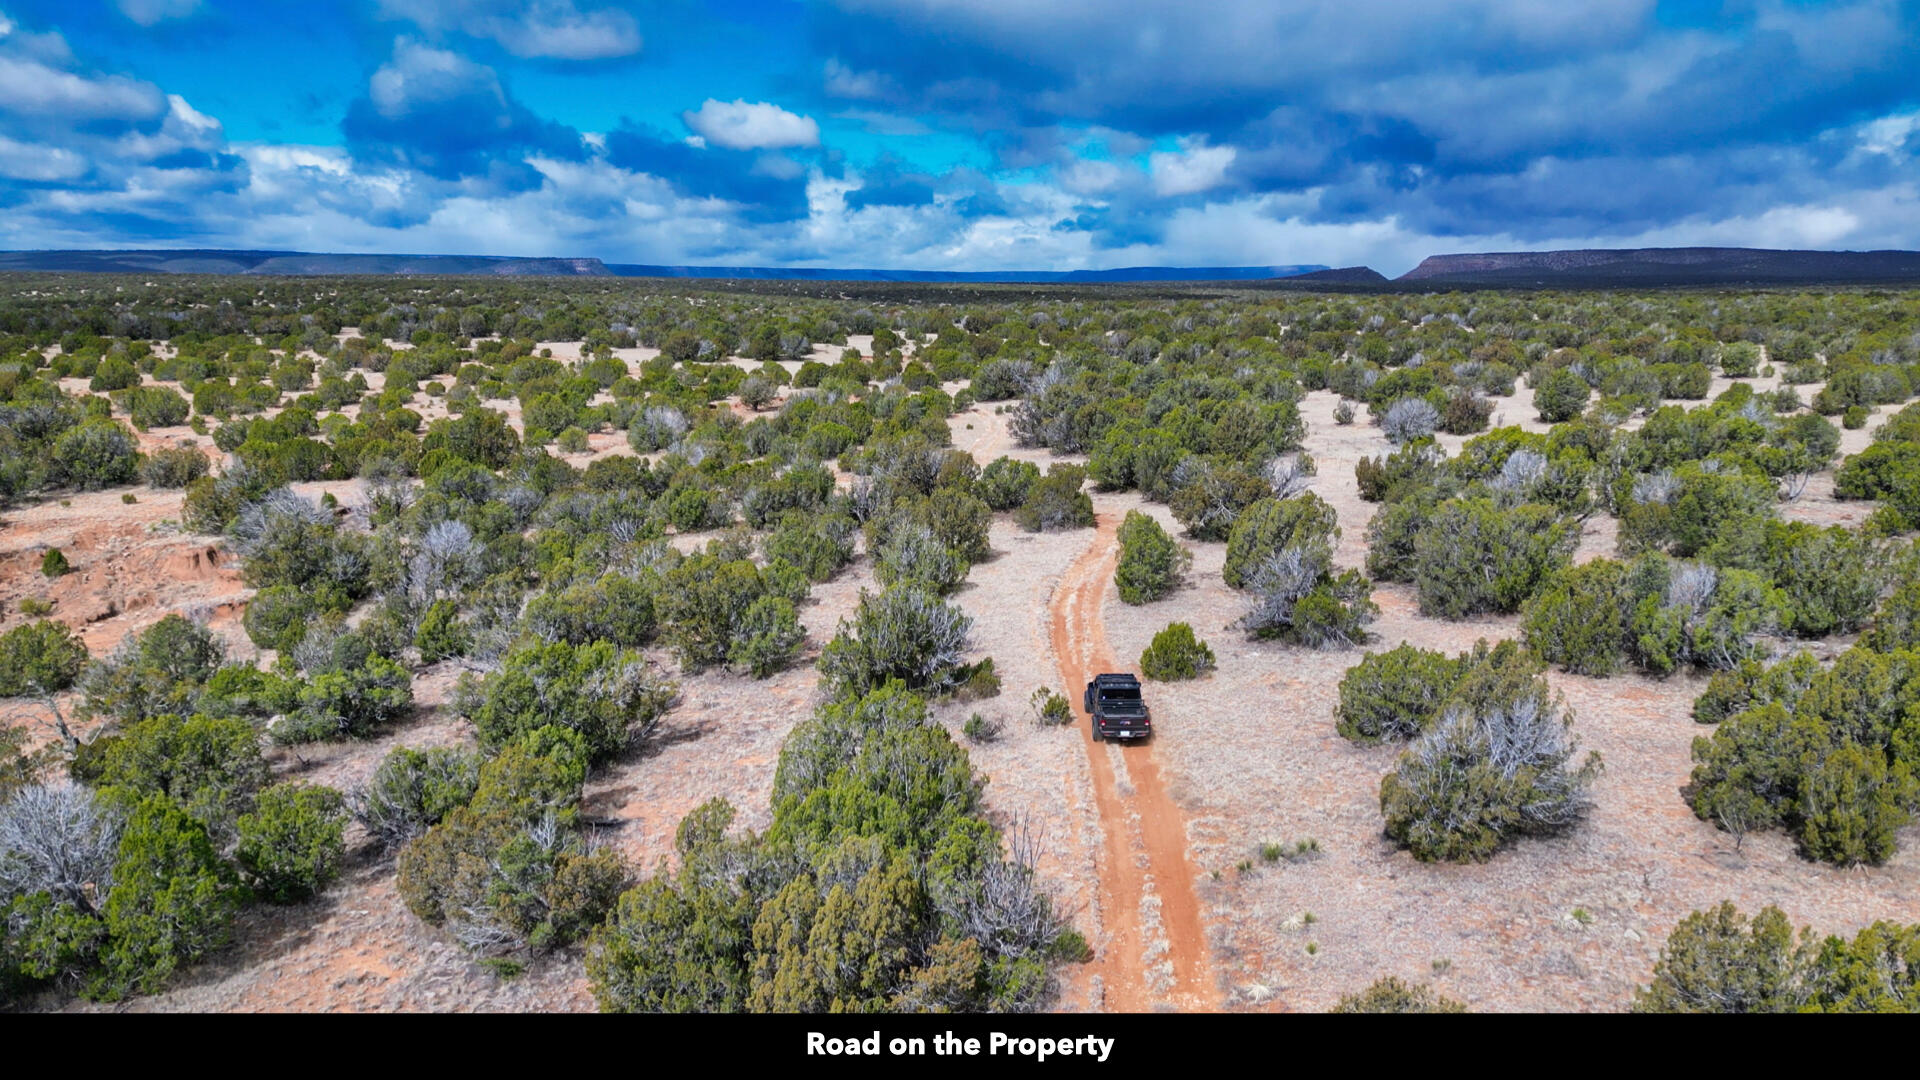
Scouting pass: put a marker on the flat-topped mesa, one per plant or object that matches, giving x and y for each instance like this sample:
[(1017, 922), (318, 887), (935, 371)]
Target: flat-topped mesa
[(1345, 275), (1667, 266), (289, 263)]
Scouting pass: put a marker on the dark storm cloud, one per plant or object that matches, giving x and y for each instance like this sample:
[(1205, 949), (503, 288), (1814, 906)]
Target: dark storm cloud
[(438, 113), (770, 187), (1442, 113)]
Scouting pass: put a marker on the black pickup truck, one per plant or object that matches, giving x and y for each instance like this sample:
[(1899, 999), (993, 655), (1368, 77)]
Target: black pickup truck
[(1117, 709)]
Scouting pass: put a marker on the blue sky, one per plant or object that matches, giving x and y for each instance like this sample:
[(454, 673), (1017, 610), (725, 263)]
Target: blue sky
[(959, 134)]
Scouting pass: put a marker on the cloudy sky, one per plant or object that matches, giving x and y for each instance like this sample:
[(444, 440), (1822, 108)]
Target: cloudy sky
[(959, 134)]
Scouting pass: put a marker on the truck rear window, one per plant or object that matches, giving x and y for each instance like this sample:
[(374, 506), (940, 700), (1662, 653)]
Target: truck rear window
[(1119, 693)]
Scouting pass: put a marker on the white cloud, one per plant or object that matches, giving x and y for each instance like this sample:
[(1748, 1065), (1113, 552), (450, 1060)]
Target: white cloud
[(1091, 177), (151, 12), (29, 87), (420, 73), (844, 82), (1888, 134), (1195, 167), (743, 125), (39, 163), (548, 29)]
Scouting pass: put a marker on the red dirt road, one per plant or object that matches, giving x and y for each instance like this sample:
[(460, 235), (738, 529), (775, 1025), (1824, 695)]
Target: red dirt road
[(1155, 949)]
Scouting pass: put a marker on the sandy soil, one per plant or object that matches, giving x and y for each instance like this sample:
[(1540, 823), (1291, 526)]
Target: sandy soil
[(1153, 953), (131, 566)]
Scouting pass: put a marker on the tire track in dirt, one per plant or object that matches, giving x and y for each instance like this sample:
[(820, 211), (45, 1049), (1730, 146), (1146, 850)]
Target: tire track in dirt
[(1139, 820)]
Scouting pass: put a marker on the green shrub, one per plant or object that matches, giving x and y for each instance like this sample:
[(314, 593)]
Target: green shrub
[(818, 544), (441, 635), (54, 564), (348, 704), (1151, 563), (1578, 621), (1056, 502), (1482, 776), (172, 902), (510, 870), (209, 766), (1391, 995), (1464, 412), (156, 406), (875, 838), (693, 509), (613, 608), (114, 373), (277, 617), (910, 552), (159, 671), (292, 844), (1005, 483), (904, 633), (1271, 526), (1831, 577), (1661, 616), (1050, 709), (703, 607), (978, 682), (1699, 509), (1897, 624), (1397, 694), (1821, 752), (1413, 468), (413, 790), (95, 454), (1717, 962), (1560, 396), (1176, 654), (1698, 616), (40, 658), (768, 636), (1474, 557), (979, 729), (242, 690), (1293, 595), (1739, 360), (1210, 500), (608, 696)]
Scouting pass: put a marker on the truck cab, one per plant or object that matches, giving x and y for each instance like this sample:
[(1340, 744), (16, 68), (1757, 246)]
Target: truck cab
[(1117, 709)]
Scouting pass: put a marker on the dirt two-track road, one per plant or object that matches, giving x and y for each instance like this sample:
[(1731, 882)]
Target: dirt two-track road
[(1154, 954)]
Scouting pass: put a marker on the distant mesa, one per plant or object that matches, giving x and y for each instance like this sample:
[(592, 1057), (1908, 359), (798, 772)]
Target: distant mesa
[(299, 262), (292, 262), (1647, 267), (1048, 277), (1597, 268), (1346, 275)]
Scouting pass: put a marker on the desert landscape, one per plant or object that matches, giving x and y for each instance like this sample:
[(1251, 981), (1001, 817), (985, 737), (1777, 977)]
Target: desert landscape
[(1238, 860)]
